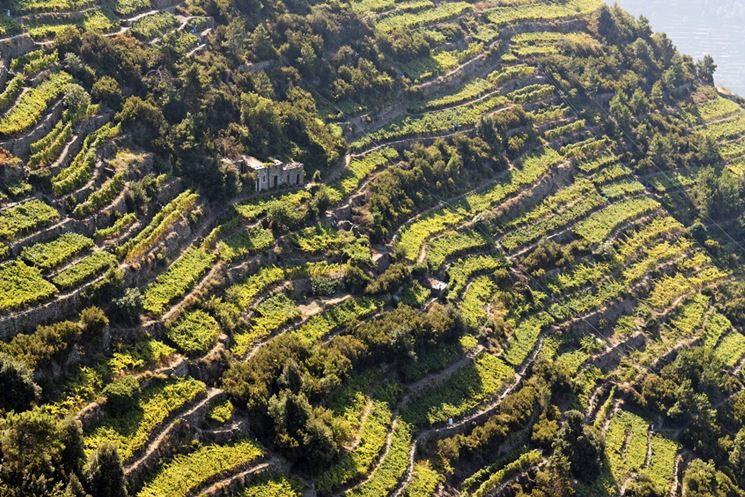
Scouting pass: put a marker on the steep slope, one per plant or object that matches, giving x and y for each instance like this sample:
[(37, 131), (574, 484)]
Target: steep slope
[(508, 265)]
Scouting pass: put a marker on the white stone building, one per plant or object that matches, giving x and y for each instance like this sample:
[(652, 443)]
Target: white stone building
[(272, 173)]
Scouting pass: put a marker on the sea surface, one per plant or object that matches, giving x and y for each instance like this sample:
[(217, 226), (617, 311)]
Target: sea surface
[(699, 27)]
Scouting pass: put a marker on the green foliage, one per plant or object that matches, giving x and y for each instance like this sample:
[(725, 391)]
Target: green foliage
[(599, 225), (392, 467), (524, 461), (437, 121), (424, 481), (533, 166), (82, 166), (293, 201), (179, 277), (343, 314), (541, 12), (462, 270), (414, 294), (101, 197), (117, 228), (22, 285), (450, 244), (409, 20), (47, 255), (524, 337), (12, 90), (31, 105), (133, 423), (24, 217), (731, 349), (17, 383), (45, 150), (138, 356), (271, 315), (195, 333), (556, 211), (154, 25), (278, 487), (477, 295), (361, 167), (186, 472), (245, 242), (358, 462), (463, 391), (120, 394), (84, 269), (222, 412), (243, 294), (165, 218)]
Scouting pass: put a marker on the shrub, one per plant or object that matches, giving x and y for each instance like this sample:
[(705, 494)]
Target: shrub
[(393, 278), (17, 385), (195, 333), (108, 91), (120, 394), (105, 474)]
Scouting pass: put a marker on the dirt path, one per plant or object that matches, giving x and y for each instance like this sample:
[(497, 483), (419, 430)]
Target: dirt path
[(177, 418)]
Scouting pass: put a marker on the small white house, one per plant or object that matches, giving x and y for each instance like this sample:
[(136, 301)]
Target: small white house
[(275, 173), (272, 173)]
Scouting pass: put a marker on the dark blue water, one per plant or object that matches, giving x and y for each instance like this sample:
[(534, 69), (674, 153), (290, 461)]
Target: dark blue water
[(699, 27)]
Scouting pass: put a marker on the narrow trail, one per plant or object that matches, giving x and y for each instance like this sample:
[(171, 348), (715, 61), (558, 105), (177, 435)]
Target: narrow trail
[(222, 486), (176, 420), (485, 411), (442, 375), (381, 457), (503, 486), (675, 488)]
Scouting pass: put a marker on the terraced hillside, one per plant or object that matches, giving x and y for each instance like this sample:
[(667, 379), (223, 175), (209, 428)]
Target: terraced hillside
[(511, 264)]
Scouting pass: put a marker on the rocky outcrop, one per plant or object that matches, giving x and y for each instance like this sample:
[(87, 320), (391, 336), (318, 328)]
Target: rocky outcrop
[(16, 46)]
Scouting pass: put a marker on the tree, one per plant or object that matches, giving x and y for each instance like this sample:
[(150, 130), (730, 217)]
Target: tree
[(143, 119), (702, 479), (105, 474), (17, 385), (107, 90), (737, 456), (306, 433), (120, 394), (604, 24), (260, 44), (580, 445), (94, 323), (76, 99), (31, 455), (642, 486), (73, 453), (128, 307), (706, 69), (75, 488)]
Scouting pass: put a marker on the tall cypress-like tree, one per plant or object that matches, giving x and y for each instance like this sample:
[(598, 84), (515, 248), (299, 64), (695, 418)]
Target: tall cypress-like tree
[(105, 474)]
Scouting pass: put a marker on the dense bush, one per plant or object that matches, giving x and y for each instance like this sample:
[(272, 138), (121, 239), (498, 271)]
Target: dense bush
[(120, 394), (17, 384)]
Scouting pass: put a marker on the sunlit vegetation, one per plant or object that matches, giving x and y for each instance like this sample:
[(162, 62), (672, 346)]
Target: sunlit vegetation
[(22, 285), (179, 277), (30, 107), (377, 248)]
